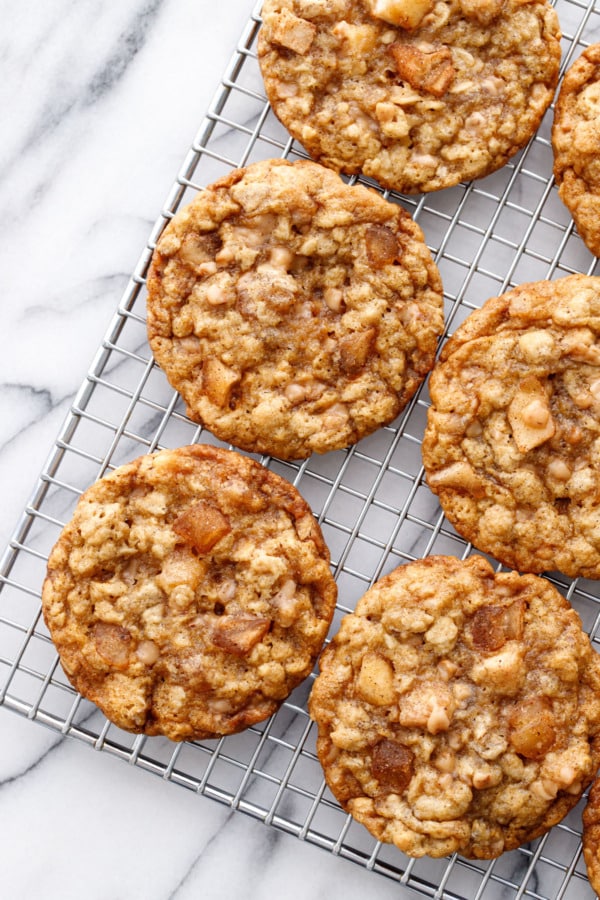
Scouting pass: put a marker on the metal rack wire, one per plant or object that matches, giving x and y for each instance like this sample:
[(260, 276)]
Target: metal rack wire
[(371, 501)]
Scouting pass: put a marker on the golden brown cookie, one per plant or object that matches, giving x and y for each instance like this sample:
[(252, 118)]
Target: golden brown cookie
[(458, 709), (512, 444), (576, 145), (419, 94), (591, 835), (293, 312), (189, 594)]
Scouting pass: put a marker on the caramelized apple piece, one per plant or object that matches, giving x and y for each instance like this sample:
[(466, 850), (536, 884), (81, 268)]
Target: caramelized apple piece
[(382, 246), (202, 525), (375, 682), (493, 626), (393, 764), (529, 415), (217, 380), (425, 70), (239, 634), (292, 32), (531, 726), (112, 643), (355, 349), (405, 13)]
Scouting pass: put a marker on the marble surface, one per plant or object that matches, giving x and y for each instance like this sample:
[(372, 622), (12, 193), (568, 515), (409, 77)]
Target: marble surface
[(100, 102)]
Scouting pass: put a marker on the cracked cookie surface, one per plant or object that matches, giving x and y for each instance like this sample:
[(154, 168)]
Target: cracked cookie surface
[(512, 443), (457, 709), (294, 313), (417, 94), (189, 594), (575, 142)]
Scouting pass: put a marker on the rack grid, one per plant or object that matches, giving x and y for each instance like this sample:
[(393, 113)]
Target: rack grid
[(371, 500)]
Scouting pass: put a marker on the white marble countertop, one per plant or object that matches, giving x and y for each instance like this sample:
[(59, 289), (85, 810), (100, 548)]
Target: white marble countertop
[(99, 103)]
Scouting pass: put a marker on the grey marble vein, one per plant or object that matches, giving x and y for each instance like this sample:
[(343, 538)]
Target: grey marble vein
[(188, 876), (130, 42), (39, 761)]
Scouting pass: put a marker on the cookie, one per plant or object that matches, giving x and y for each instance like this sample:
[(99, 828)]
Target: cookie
[(512, 443), (294, 313), (575, 142), (591, 835), (418, 94), (189, 594), (458, 710)]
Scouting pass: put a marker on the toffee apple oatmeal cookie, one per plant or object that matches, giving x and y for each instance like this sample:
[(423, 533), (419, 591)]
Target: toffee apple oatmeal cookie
[(418, 94), (294, 313), (458, 710), (576, 140), (189, 594), (512, 444), (591, 835)]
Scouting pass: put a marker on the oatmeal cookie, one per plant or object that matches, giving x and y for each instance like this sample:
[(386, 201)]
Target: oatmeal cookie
[(189, 594), (591, 836), (418, 94), (458, 710), (512, 444), (293, 312), (576, 145)]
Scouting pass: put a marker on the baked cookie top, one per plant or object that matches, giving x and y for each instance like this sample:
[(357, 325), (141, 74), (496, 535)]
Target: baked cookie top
[(418, 94), (458, 710), (189, 594), (294, 313), (591, 835), (575, 141), (512, 443)]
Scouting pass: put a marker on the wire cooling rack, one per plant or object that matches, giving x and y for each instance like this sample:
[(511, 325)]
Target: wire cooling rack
[(374, 508)]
